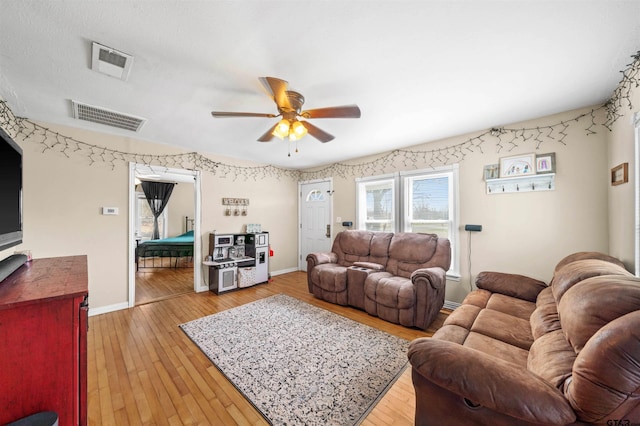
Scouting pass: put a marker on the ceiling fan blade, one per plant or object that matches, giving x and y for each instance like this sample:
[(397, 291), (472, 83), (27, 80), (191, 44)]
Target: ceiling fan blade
[(268, 135), (225, 114), (278, 89), (318, 133), (345, 111)]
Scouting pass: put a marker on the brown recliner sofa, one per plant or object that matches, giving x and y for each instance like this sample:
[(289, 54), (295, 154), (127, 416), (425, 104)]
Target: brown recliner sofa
[(519, 352), (398, 277)]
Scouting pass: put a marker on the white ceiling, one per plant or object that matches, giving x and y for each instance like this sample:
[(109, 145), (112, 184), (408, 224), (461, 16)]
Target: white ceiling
[(419, 70)]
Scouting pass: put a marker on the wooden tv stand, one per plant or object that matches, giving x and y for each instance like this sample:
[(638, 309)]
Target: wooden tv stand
[(43, 340)]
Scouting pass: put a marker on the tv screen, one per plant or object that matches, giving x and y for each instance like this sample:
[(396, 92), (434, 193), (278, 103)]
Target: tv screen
[(10, 192)]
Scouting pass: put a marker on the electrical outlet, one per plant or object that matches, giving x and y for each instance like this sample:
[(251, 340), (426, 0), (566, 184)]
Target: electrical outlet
[(110, 210), (338, 219)]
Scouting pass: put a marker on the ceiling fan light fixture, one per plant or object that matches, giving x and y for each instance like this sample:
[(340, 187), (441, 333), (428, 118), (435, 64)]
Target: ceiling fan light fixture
[(298, 129), (282, 129)]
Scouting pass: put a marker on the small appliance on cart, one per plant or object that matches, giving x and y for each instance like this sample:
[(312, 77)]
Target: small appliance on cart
[(257, 247), (223, 269)]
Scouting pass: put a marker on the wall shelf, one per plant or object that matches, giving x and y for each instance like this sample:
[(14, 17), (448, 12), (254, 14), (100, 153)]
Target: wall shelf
[(531, 183)]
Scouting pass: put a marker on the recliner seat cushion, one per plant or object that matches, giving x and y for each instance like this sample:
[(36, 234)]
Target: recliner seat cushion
[(392, 291), (330, 277)]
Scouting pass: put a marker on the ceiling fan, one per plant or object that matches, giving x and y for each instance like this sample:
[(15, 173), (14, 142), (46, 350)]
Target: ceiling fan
[(289, 105)]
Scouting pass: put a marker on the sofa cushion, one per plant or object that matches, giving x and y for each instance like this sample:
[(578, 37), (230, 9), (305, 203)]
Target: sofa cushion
[(606, 381), (594, 302), (330, 277), (581, 255), (463, 316), (545, 318), (409, 251), (452, 333), (354, 245), (551, 357), (504, 327), (478, 298), (510, 305), (390, 291), (497, 348), (514, 285), (574, 272)]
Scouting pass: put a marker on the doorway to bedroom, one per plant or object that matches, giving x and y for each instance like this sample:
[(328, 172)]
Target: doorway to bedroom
[(163, 220)]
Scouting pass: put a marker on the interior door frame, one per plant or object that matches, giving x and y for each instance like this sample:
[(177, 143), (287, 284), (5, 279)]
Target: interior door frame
[(306, 182), (197, 241)]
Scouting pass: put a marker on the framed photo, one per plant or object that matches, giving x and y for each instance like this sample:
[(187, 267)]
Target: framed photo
[(491, 171), (518, 165), (546, 163), (620, 174)]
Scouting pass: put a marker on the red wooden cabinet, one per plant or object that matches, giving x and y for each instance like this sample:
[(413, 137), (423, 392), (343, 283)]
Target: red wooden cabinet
[(43, 340)]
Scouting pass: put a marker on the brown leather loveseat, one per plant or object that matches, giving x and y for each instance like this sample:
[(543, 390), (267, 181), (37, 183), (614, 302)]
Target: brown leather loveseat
[(519, 352), (398, 277)]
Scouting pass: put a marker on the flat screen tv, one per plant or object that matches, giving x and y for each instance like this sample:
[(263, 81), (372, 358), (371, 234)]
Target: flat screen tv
[(10, 192)]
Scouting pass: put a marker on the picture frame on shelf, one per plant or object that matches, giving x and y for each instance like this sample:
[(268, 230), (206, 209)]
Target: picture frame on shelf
[(491, 171), (518, 165), (546, 163), (620, 174)]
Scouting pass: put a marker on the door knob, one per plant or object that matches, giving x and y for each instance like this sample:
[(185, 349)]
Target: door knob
[(328, 234)]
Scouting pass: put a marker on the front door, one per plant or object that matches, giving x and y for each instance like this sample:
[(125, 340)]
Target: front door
[(315, 219)]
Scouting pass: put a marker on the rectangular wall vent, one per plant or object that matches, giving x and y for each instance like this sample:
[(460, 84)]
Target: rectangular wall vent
[(107, 117), (110, 61)]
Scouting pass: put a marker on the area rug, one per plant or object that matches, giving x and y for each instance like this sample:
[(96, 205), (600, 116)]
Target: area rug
[(299, 364)]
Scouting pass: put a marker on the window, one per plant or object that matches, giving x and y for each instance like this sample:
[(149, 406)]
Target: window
[(144, 219), (427, 204), (377, 205), (315, 195), (417, 201)]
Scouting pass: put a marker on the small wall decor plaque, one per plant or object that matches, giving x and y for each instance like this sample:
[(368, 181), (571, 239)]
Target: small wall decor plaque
[(620, 174)]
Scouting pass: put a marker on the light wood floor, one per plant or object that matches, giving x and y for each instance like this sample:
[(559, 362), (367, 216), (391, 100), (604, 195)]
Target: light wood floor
[(143, 370), (162, 281)]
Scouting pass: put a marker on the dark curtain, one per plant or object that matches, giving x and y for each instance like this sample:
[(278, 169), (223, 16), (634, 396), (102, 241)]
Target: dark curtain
[(157, 194)]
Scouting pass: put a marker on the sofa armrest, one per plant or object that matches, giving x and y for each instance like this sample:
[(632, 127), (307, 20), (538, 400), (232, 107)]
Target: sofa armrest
[(490, 382), (434, 276), (510, 285), (314, 259)]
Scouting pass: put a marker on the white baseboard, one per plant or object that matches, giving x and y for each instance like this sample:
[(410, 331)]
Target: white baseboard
[(283, 271), (448, 304), (107, 309)]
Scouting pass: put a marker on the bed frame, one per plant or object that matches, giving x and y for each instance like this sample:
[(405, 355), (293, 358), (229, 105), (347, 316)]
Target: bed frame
[(173, 248)]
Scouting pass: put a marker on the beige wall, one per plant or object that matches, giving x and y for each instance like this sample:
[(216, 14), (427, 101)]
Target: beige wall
[(181, 204), (63, 199), (525, 233), (621, 197)]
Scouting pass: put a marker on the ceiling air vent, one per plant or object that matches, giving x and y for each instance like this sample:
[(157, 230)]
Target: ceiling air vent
[(107, 117), (111, 62)]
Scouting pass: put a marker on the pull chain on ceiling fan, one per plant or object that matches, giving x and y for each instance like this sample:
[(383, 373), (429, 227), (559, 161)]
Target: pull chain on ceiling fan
[(289, 105)]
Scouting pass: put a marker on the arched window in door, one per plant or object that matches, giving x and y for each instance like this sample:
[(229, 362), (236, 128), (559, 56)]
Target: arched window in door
[(315, 195)]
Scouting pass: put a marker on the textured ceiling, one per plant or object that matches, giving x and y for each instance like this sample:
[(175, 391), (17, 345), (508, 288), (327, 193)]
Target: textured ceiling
[(418, 70)]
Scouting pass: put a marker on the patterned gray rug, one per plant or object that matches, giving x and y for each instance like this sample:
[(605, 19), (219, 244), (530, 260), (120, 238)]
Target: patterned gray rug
[(299, 364)]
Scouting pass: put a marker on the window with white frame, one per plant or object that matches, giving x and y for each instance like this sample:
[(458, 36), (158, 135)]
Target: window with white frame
[(416, 201), (377, 204), (144, 219)]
